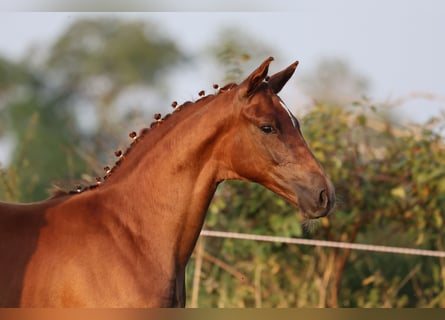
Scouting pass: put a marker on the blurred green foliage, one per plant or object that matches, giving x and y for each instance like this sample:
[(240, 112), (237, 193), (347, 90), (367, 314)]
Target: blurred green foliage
[(91, 63), (389, 178), (122, 52)]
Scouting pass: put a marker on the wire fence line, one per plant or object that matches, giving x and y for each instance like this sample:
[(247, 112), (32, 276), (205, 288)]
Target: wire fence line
[(323, 243)]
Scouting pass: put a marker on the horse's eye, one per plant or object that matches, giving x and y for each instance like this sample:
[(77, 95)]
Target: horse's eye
[(267, 129)]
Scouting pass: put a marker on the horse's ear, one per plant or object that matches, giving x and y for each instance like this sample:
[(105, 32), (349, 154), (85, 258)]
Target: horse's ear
[(255, 79), (279, 79)]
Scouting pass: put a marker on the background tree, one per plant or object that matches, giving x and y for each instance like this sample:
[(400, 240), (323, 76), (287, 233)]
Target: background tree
[(97, 60), (90, 64)]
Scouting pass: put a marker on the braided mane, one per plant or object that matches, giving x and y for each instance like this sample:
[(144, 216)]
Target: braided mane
[(137, 138)]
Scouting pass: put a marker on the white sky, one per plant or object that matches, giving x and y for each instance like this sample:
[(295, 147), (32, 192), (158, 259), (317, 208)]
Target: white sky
[(399, 45)]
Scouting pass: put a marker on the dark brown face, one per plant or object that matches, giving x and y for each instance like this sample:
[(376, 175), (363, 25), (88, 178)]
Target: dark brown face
[(271, 150)]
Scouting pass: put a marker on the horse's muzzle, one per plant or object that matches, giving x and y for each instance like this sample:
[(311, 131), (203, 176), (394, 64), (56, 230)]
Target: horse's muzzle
[(316, 202)]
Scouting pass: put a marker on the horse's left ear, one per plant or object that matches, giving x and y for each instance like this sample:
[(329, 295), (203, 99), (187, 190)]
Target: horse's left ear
[(255, 79), (279, 79)]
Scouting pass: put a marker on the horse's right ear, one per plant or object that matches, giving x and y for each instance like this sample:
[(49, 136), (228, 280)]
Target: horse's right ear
[(255, 79)]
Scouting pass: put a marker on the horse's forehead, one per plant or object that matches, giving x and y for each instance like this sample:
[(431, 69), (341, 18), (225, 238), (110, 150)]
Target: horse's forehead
[(281, 105)]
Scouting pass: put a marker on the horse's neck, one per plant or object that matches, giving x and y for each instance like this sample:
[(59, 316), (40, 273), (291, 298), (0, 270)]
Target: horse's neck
[(163, 190)]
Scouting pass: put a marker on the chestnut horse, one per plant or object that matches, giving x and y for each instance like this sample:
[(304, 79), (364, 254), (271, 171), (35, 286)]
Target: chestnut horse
[(126, 241)]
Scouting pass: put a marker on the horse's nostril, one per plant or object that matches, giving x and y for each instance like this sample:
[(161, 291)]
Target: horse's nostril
[(324, 199)]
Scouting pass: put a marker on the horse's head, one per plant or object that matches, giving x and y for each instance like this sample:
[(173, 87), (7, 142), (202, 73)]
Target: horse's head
[(268, 146)]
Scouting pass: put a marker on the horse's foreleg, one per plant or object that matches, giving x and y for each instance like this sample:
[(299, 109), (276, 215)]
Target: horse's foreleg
[(180, 290)]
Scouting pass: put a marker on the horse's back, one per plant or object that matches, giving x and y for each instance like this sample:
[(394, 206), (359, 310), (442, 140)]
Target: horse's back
[(19, 232)]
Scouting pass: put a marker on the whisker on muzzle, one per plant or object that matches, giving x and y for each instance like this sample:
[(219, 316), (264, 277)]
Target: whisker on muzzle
[(309, 226)]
